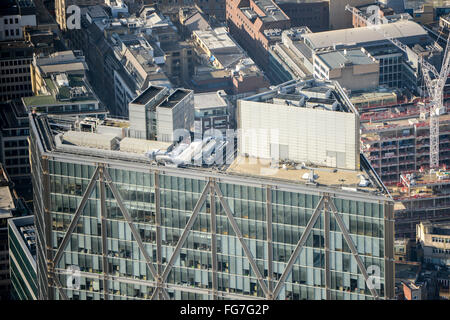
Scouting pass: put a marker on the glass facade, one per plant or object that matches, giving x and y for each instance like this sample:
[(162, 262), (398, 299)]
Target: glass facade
[(193, 275), (22, 263)]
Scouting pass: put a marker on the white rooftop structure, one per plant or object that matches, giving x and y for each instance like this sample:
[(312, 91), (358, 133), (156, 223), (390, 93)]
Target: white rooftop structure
[(134, 145), (355, 36), (209, 100), (216, 38), (105, 141)]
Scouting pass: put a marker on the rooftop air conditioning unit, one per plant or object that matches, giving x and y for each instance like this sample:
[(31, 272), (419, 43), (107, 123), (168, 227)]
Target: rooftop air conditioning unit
[(310, 176), (363, 182)]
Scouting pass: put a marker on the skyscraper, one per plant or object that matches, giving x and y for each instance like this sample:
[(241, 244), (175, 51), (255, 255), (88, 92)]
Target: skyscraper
[(121, 225)]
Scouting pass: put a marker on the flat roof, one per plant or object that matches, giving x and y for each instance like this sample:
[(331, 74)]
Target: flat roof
[(394, 123), (208, 100), (298, 63), (364, 95), (325, 175), (271, 10), (338, 59), (178, 95), (61, 95), (406, 271), (303, 48), (142, 146), (63, 67), (96, 12), (341, 181), (6, 202), (354, 36), (147, 95)]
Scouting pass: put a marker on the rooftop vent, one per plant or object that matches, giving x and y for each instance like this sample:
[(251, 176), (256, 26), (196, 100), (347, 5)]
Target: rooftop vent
[(310, 176), (62, 80), (363, 182), (77, 92)]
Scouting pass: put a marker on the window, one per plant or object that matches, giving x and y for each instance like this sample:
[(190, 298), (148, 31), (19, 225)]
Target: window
[(6, 33)]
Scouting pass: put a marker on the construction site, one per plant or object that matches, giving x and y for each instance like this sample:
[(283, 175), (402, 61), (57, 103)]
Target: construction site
[(407, 143), (420, 196), (395, 139)]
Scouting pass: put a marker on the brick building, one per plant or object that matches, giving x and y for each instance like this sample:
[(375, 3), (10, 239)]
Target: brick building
[(256, 25), (315, 14)]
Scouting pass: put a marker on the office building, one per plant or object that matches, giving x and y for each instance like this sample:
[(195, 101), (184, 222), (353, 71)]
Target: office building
[(60, 86), (290, 58), (386, 13), (408, 32), (354, 69), (14, 134), (213, 8), (156, 113), (127, 55), (15, 60), (175, 230), (434, 238), (191, 19), (421, 11), (213, 111), (14, 15), (141, 63), (256, 25), (61, 7), (217, 49), (22, 258), (179, 61), (397, 70), (293, 56), (45, 16)]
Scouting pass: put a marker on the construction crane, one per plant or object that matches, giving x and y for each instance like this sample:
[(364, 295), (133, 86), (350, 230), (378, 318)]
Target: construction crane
[(434, 84)]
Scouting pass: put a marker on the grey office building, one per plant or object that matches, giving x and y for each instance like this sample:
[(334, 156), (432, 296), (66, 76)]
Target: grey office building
[(22, 258), (117, 225)]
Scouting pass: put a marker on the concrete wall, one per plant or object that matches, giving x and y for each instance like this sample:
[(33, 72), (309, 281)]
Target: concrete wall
[(138, 127), (14, 26), (322, 137), (357, 77), (181, 116)]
